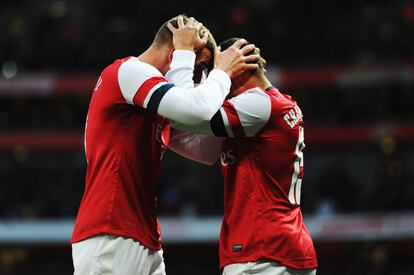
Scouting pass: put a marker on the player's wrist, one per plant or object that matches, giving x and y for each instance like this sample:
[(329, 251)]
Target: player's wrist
[(184, 47), (225, 69)]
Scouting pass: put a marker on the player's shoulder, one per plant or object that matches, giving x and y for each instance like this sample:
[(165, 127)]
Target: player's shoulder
[(280, 101), (253, 105), (133, 66), (284, 106), (251, 99), (254, 93)]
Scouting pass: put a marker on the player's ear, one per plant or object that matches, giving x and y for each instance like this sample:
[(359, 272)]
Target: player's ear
[(241, 79), (170, 55)]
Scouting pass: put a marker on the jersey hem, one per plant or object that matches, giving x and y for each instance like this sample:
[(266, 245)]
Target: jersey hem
[(256, 258), (119, 233)]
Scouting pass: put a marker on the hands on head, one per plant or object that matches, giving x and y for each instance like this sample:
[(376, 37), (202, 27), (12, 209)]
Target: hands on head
[(234, 60), (237, 58), (187, 35)]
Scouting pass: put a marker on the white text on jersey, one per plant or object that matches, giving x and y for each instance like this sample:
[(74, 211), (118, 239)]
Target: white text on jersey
[(227, 158), (293, 117), (98, 83)]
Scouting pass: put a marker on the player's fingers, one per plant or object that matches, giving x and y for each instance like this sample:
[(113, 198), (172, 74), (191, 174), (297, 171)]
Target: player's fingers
[(217, 50), (198, 25), (248, 67), (252, 58), (171, 27), (180, 22), (191, 22), (202, 31), (248, 49), (239, 43), (263, 61)]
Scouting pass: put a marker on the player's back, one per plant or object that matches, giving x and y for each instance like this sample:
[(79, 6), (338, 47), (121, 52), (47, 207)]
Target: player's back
[(123, 149), (263, 174)]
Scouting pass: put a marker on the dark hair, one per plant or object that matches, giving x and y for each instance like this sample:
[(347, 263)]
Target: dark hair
[(229, 42)]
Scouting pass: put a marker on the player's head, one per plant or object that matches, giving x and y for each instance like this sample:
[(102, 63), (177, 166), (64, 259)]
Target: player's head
[(164, 35), (260, 71), (204, 62), (204, 57)]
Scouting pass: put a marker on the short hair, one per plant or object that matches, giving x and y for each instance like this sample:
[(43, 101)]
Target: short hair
[(229, 42), (164, 35)]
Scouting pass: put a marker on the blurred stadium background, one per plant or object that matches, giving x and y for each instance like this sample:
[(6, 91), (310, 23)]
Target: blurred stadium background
[(349, 64)]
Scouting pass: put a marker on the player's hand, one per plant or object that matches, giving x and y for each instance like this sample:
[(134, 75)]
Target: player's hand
[(187, 36), (234, 60), (262, 60)]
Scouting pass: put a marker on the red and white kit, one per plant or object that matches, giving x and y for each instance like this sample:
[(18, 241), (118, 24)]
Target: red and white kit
[(125, 133), (262, 163)]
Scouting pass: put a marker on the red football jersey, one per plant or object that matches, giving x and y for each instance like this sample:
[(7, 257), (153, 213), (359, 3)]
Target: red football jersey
[(262, 164), (125, 135), (124, 143)]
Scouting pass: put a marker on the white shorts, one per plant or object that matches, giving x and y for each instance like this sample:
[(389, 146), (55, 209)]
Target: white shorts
[(264, 268), (108, 254)]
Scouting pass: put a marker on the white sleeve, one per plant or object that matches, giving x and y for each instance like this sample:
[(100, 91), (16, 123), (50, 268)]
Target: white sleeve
[(138, 80), (200, 148), (241, 116), (182, 69), (245, 114), (143, 85), (195, 105)]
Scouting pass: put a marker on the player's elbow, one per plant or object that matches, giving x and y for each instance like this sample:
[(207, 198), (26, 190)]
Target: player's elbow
[(204, 113)]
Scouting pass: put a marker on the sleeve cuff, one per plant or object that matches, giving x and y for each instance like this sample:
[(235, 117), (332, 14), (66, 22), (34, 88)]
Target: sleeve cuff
[(183, 58)]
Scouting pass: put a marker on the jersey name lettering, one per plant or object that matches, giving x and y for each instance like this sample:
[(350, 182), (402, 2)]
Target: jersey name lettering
[(293, 116)]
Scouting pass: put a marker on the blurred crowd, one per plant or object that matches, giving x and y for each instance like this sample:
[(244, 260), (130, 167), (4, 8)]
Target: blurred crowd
[(80, 35), (339, 177), (50, 185)]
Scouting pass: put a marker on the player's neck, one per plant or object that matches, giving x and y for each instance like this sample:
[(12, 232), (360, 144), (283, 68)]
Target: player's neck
[(255, 81), (157, 56)]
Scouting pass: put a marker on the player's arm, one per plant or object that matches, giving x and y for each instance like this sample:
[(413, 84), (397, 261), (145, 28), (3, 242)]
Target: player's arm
[(196, 147), (241, 116), (144, 86), (182, 69)]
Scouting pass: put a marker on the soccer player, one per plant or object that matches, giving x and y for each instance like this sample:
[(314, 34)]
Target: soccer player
[(116, 230), (258, 135)]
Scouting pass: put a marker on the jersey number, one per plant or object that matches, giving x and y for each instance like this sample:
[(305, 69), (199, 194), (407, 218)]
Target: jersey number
[(296, 184)]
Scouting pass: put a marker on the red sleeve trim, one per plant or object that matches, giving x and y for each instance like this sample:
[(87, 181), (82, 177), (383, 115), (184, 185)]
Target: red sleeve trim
[(234, 120), (145, 88)]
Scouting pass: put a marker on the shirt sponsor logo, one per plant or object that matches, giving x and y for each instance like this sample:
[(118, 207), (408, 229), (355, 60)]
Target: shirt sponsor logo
[(158, 133)]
